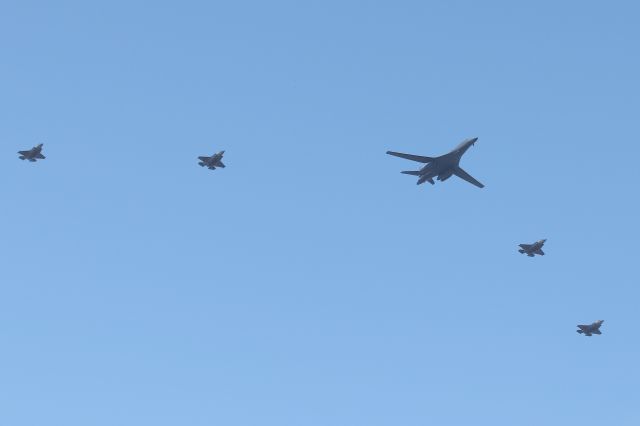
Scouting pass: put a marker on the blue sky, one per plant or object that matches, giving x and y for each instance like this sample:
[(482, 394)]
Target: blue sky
[(309, 282)]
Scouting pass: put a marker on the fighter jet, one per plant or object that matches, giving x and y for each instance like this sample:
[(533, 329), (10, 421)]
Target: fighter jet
[(532, 249), (212, 162), (441, 167), (33, 154), (590, 329)]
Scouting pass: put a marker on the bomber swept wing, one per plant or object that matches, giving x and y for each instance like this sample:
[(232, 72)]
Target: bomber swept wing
[(418, 158), (458, 171)]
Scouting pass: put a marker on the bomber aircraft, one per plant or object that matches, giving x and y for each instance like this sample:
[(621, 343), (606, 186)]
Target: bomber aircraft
[(532, 249), (441, 168), (33, 154), (593, 328), (212, 162)]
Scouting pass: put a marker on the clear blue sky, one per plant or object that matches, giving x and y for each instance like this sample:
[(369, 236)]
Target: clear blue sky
[(310, 283)]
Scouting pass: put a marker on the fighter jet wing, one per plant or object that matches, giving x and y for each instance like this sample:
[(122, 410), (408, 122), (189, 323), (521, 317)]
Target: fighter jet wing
[(525, 246), (220, 164), (466, 176), (418, 158), (23, 152), (583, 327), (40, 156), (539, 252), (596, 331), (203, 158)]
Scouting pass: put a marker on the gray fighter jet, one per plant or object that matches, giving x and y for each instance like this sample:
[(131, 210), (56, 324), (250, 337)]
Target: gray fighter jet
[(441, 168), (532, 249), (590, 329), (212, 162), (33, 154)]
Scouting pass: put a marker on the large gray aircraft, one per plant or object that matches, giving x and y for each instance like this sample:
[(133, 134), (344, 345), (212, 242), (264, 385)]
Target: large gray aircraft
[(33, 154), (593, 328), (212, 162), (532, 249), (441, 168)]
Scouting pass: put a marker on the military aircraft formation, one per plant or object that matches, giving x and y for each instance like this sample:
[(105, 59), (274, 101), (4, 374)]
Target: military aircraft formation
[(441, 168)]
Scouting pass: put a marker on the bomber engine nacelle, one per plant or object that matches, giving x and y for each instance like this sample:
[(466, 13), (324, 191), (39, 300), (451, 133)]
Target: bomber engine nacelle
[(425, 178), (444, 176)]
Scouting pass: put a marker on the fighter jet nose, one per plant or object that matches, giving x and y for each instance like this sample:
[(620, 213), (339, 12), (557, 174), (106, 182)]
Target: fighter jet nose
[(473, 140)]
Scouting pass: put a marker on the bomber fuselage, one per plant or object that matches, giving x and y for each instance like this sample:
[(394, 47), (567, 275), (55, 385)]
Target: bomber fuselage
[(442, 167)]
